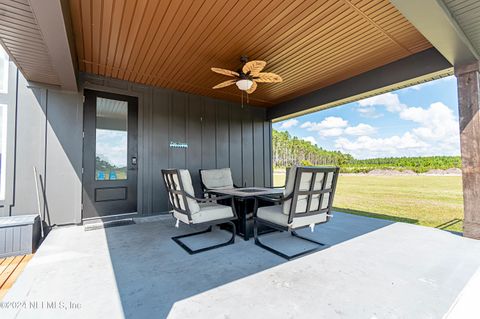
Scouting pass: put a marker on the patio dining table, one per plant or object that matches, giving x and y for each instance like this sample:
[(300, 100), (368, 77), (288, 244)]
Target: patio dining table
[(244, 201)]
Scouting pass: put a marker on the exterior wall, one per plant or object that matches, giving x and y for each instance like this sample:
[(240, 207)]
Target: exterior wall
[(218, 133), (47, 127), (46, 132)]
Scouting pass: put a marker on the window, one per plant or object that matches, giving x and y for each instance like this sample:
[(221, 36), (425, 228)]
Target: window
[(111, 147), (3, 148), (3, 71), (3, 119)]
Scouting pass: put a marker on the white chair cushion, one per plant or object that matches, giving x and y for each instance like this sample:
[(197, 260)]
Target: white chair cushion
[(188, 188), (217, 178), (290, 181), (208, 212), (274, 214)]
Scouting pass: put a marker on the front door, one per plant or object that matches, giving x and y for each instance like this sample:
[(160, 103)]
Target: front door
[(109, 154)]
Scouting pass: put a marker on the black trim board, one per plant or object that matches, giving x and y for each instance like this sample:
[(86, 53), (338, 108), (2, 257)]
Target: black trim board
[(418, 67)]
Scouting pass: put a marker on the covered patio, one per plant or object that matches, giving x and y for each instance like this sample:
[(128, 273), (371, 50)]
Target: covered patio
[(372, 269), (143, 70)]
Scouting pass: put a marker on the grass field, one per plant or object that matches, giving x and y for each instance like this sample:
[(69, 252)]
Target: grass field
[(434, 201)]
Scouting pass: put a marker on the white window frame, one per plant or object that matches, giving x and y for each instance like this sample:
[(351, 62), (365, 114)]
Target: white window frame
[(3, 165), (5, 126), (5, 60)]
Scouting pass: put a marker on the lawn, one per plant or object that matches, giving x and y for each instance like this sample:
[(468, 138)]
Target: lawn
[(434, 201)]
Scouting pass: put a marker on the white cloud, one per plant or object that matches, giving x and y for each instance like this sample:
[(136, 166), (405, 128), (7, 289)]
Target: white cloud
[(438, 125), (112, 146), (365, 146), (389, 100), (437, 133), (288, 124), (333, 126), (328, 122), (437, 122), (330, 126), (310, 139), (331, 132), (360, 129), (369, 112)]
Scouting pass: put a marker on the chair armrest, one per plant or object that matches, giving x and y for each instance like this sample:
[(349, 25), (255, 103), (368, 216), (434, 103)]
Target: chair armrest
[(210, 199), (214, 199), (278, 200), (270, 199)]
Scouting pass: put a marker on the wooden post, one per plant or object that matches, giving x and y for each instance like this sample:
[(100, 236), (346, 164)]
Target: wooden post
[(468, 78)]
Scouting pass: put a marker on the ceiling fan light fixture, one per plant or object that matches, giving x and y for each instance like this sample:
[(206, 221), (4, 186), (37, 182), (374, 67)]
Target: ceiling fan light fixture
[(244, 84)]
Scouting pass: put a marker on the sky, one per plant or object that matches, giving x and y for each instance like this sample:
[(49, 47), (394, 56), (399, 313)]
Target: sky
[(112, 146), (420, 120)]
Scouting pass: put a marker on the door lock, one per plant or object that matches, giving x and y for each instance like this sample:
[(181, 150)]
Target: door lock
[(134, 161)]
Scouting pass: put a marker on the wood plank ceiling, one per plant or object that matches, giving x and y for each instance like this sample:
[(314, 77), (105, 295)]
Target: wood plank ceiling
[(173, 43)]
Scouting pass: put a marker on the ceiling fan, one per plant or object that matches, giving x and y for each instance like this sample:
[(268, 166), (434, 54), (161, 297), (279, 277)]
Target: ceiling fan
[(247, 77)]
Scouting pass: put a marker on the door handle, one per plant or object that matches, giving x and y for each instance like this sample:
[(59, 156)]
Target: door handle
[(134, 161)]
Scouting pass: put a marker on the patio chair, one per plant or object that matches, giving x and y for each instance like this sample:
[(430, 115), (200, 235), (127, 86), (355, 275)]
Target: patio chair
[(214, 179), (196, 211), (307, 202)]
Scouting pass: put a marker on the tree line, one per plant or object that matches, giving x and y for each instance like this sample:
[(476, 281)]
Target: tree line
[(289, 150)]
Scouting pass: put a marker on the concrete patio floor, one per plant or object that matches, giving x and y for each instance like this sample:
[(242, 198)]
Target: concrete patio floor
[(372, 269)]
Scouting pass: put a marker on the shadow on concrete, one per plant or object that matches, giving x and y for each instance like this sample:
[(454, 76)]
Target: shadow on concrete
[(153, 273), (376, 215), (449, 223)]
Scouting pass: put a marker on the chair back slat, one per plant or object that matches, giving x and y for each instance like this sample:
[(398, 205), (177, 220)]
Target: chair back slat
[(313, 191), (176, 192)]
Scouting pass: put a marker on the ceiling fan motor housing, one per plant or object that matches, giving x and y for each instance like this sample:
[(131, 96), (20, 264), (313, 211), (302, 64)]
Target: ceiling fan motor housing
[(247, 76)]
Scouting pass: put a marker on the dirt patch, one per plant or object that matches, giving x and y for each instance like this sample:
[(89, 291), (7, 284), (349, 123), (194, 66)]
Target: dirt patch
[(385, 172), (454, 171), (408, 172), (441, 172)]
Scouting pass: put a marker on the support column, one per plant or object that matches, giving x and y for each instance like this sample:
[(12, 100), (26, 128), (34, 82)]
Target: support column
[(468, 77)]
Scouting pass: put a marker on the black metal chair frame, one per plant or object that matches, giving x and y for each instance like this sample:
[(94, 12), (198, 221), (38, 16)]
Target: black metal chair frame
[(292, 214), (176, 196)]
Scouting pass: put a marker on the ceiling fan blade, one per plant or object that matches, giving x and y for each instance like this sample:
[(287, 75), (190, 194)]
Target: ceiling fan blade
[(254, 67), (224, 84), (268, 78), (253, 88), (225, 72)]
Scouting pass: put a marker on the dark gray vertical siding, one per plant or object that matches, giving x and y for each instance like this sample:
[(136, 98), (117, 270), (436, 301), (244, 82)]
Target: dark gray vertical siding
[(178, 122), (247, 149), (144, 147), (209, 127), (160, 150), (235, 145), (63, 162), (30, 146), (49, 129), (48, 126), (222, 136), (258, 153), (267, 153), (194, 138)]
